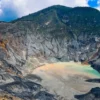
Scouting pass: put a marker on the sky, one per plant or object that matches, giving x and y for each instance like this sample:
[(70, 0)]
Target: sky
[(13, 9)]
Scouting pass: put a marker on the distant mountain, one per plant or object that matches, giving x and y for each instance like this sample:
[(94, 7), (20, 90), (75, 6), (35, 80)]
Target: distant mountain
[(77, 20)]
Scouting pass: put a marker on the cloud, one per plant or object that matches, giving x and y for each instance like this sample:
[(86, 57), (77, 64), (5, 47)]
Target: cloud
[(74, 3), (81, 3), (7, 10), (25, 7), (98, 5), (12, 9)]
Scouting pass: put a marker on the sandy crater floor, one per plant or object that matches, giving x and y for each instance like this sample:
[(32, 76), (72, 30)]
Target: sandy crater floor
[(67, 79)]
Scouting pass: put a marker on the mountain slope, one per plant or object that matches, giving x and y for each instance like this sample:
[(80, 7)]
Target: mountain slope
[(57, 33), (73, 17)]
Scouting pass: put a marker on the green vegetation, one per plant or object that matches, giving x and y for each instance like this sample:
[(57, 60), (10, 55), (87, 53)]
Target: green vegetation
[(64, 21)]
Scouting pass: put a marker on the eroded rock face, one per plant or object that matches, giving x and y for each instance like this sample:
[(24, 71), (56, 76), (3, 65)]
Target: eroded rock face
[(96, 64), (6, 96), (53, 39), (25, 90)]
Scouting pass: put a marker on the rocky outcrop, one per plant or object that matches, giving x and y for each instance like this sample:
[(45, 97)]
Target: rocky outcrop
[(94, 80), (7, 96), (26, 91), (96, 64), (94, 94)]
